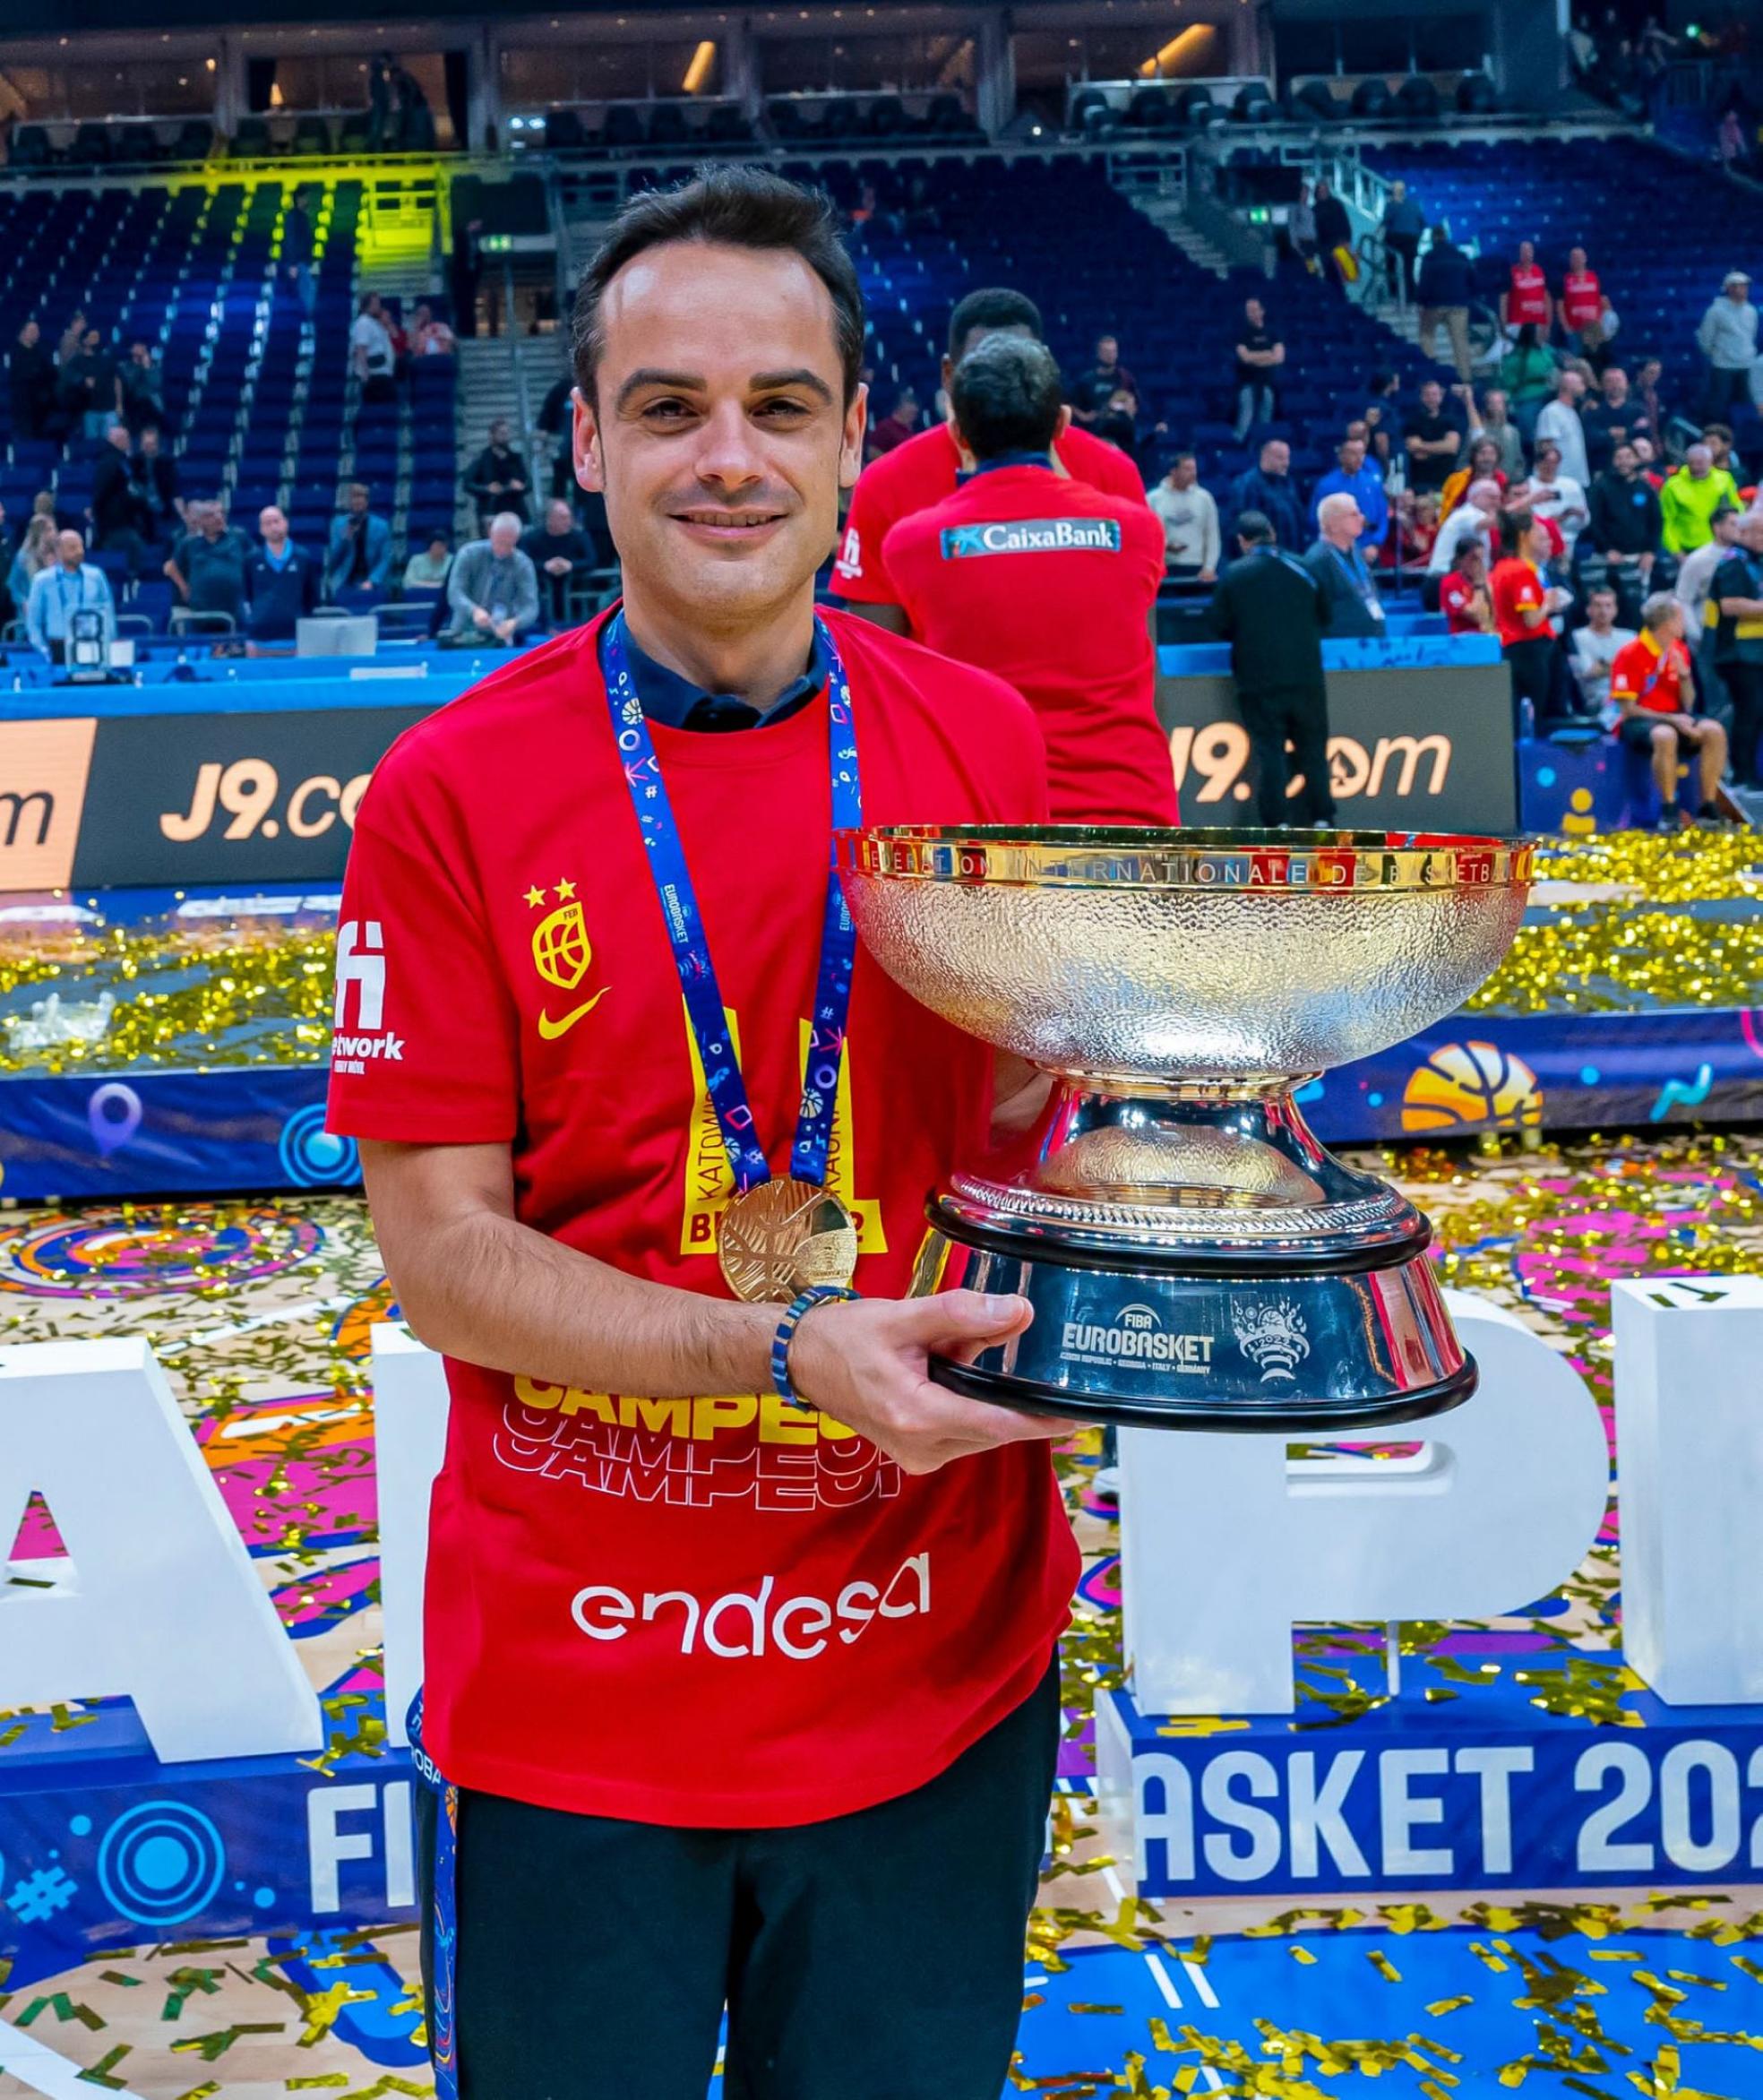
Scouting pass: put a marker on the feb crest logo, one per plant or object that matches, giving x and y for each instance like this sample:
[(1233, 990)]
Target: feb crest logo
[(562, 954)]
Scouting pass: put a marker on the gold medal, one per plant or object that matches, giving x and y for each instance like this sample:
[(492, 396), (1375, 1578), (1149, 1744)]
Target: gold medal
[(783, 1236)]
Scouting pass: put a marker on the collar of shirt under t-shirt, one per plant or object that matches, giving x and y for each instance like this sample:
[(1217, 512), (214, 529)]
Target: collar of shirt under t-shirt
[(677, 703)]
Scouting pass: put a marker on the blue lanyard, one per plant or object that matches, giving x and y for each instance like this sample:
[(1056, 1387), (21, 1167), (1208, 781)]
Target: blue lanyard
[(686, 927), (1360, 574), (444, 1904)]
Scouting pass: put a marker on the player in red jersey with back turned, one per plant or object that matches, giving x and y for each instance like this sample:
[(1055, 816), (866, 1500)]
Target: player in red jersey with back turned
[(740, 1631), (927, 468), (1048, 583)]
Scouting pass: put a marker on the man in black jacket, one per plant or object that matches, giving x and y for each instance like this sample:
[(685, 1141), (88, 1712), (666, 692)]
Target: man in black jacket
[(559, 551), (1350, 601), (1270, 609), (497, 480), (118, 523), (1625, 528), (153, 474), (1446, 280), (30, 383)]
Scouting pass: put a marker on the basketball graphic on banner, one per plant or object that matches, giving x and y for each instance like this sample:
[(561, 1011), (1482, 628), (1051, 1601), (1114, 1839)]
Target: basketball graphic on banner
[(1468, 1084)]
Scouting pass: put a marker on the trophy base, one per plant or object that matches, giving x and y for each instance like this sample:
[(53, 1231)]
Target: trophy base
[(1227, 1275)]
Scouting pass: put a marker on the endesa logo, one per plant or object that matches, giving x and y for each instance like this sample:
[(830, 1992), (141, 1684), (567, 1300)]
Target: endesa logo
[(742, 1624), (361, 970), (246, 796)]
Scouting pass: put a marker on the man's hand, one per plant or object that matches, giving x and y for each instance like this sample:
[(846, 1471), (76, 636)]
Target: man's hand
[(558, 566), (866, 1364), (1208, 576), (505, 628), (479, 617)]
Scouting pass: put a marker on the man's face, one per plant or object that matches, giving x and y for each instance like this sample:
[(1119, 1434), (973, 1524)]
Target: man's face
[(1575, 259), (214, 520), (1352, 457), (1573, 384), (1650, 371), (1615, 386), (1625, 462), (272, 525), (1751, 532), (1642, 449), (30, 333), (504, 536), (149, 442), (1485, 496), (1724, 527), (1601, 611), (558, 518), (1671, 628), (977, 335), (119, 437), (720, 433), (72, 549), (1527, 255), (141, 354), (1107, 352), (1537, 543), (1471, 563), (1347, 521), (437, 549), (1548, 462), (1496, 408), (1398, 189), (1358, 432), (498, 435), (375, 307), (1254, 312), (1738, 293), (92, 342), (1183, 474), (1431, 395), (1699, 460), (1276, 458), (358, 502)]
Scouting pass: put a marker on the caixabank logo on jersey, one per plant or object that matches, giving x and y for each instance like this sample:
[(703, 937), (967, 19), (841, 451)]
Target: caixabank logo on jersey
[(1033, 536)]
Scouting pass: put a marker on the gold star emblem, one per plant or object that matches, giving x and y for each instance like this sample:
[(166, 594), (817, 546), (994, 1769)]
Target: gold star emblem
[(534, 897), (565, 890)]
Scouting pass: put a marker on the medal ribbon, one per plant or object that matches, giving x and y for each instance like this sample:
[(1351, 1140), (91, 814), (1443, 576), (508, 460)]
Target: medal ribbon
[(685, 926)]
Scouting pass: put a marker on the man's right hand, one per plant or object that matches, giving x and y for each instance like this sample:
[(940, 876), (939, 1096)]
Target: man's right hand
[(479, 617), (866, 1364)]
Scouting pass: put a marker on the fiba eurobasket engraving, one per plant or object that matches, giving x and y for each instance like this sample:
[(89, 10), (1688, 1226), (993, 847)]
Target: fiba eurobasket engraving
[(1194, 1256)]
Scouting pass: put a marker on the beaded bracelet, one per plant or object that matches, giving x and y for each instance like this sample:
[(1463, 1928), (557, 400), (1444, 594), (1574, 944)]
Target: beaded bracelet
[(821, 1293)]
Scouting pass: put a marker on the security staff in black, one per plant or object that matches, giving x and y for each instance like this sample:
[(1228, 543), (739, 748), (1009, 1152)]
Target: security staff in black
[(1270, 609), (1733, 616)]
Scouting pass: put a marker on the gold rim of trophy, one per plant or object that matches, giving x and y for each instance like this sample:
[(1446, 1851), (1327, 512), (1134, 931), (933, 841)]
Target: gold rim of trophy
[(1098, 856)]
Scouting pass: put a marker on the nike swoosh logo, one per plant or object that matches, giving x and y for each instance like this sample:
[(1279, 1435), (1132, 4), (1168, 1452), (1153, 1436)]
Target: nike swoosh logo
[(550, 1029)]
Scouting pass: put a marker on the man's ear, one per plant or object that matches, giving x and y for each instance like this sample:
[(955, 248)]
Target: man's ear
[(585, 434), (851, 439), (1063, 424)]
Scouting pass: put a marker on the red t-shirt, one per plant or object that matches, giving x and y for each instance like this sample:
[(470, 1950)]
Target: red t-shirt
[(1528, 299), (1007, 573), (1457, 594), (1582, 298), (1514, 585), (1655, 679), (921, 472), (714, 1610)]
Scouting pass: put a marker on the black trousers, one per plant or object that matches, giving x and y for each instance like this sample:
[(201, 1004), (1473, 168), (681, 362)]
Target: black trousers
[(1404, 248), (1301, 718), (872, 1957), (1533, 668), (1744, 681)]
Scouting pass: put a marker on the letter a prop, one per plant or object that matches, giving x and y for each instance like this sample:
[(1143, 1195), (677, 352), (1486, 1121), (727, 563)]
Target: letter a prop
[(162, 1604)]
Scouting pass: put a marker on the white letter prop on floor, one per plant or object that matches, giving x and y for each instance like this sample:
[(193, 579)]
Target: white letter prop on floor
[(1689, 1485), (160, 1601), (1226, 1544), (409, 1442)]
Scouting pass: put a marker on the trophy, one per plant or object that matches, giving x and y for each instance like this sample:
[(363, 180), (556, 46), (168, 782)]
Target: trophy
[(1194, 1256)]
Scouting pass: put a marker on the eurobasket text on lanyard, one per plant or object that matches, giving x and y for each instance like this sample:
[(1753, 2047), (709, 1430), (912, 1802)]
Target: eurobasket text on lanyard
[(779, 1235)]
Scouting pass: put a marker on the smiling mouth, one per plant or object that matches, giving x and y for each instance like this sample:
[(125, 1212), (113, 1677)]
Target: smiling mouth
[(733, 522)]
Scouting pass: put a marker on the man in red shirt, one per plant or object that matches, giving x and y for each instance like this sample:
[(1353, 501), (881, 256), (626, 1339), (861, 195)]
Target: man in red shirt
[(1018, 561), (1523, 606), (1463, 592), (1528, 302), (739, 1629), (927, 467), (1651, 682), (1583, 305)]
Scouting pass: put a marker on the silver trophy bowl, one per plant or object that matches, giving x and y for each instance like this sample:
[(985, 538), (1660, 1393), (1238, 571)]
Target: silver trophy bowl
[(1193, 1254)]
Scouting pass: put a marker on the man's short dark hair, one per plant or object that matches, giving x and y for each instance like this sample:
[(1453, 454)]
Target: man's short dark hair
[(1723, 431), (1514, 529), (1256, 529), (1006, 398), (991, 308), (731, 207)]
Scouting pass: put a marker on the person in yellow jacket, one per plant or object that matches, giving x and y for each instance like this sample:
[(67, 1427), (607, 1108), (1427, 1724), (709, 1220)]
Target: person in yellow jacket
[(1689, 498)]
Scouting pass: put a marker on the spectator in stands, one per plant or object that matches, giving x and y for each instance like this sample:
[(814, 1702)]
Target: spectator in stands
[(1528, 375), (1268, 490), (1613, 416), (1696, 571), (371, 353), (1354, 475), (1691, 497), (140, 388), (556, 423), (430, 338), (1649, 372), (1270, 609), (1553, 493), (37, 550), (87, 388), (558, 552), (1650, 472), (281, 583), (1118, 424), (1434, 439), (1301, 229), (30, 383), (1494, 422), (1523, 607), (1727, 337), (1445, 286), (359, 554), (895, 427), (1735, 612), (1481, 463), (116, 508), (497, 480), (1260, 354), (1351, 605), (1586, 314), (1718, 439), (1627, 525), (299, 249), (69, 584), (427, 570), (923, 470), (1092, 397), (1463, 591), (1383, 420), (206, 567), (1190, 522), (1334, 228), (1559, 424), (1525, 303), (494, 588), (1595, 648), (1014, 612), (1651, 682), (73, 338), (1417, 520), (1403, 225), (153, 475)]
